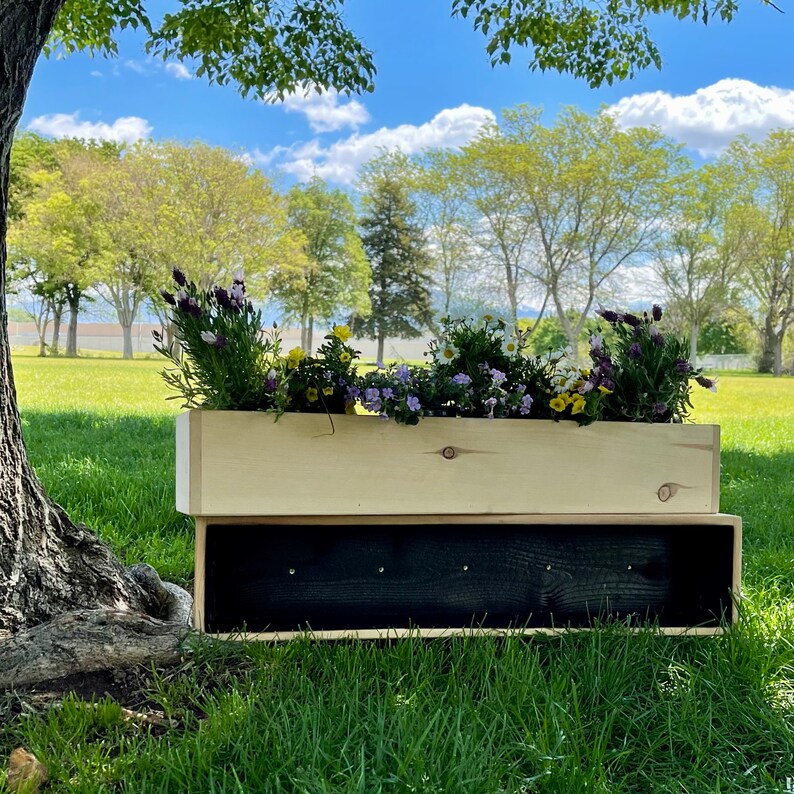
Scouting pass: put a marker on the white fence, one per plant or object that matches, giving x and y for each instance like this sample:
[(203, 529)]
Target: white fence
[(731, 361)]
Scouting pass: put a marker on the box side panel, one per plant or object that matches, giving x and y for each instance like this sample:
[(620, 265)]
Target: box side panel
[(486, 576), (188, 463), (346, 465)]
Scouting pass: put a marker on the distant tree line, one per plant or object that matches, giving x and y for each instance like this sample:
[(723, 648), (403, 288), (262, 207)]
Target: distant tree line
[(563, 217)]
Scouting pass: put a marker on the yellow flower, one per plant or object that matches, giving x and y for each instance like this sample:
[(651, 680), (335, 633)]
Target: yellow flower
[(311, 394), (350, 408), (328, 391), (578, 405), (342, 332), (488, 318), (566, 398), (344, 357), (585, 373), (558, 404), (295, 356), (604, 390)]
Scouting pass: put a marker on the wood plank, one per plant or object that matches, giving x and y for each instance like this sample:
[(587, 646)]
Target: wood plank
[(200, 573), (490, 576), (246, 464)]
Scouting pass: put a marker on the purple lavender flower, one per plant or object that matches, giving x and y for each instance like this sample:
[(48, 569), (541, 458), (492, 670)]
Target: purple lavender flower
[(608, 315), (237, 293), (193, 308), (462, 379), (681, 366), (605, 365), (179, 277), (607, 383), (413, 403), (238, 277), (222, 297), (631, 319), (270, 381), (221, 341), (168, 297), (659, 409), (656, 336), (387, 393), (637, 330), (497, 376), (526, 404), (656, 312), (706, 383), (402, 373), (596, 344), (587, 386), (635, 351)]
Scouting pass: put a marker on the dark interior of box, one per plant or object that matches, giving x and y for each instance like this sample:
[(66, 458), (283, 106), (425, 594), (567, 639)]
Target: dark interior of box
[(287, 578)]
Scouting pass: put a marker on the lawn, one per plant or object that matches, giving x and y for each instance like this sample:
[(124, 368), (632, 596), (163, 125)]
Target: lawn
[(597, 712)]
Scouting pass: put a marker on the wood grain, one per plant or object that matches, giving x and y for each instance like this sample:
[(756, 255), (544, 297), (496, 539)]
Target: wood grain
[(245, 464)]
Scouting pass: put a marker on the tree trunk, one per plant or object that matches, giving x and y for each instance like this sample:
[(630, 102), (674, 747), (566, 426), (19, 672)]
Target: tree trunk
[(48, 565), (694, 330), (778, 360), (73, 295), (309, 335), (57, 316), (381, 340), (126, 333), (766, 363)]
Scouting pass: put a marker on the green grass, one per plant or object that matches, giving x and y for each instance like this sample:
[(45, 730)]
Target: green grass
[(597, 712)]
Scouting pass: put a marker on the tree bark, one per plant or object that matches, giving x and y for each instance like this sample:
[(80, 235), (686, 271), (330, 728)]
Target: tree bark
[(73, 295), (48, 565), (126, 333), (57, 316), (766, 363), (87, 641), (309, 335), (381, 340)]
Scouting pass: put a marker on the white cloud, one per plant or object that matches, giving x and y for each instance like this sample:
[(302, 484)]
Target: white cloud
[(324, 112), (96, 73), (178, 70), (339, 161), (136, 66), (126, 129), (711, 117)]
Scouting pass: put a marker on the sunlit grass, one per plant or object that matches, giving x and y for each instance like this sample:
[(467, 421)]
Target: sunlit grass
[(599, 712)]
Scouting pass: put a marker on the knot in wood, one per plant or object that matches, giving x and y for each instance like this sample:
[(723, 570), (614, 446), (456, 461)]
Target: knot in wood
[(664, 493), (449, 452)]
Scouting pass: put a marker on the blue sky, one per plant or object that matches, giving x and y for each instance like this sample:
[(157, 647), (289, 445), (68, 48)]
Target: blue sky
[(434, 85)]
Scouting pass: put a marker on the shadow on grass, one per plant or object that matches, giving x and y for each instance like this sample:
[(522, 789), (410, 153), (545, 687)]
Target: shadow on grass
[(115, 474)]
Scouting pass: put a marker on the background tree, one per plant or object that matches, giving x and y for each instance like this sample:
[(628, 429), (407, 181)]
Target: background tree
[(764, 226), (595, 195), (395, 246), (127, 273), (694, 255), (500, 229), (441, 198), (333, 275)]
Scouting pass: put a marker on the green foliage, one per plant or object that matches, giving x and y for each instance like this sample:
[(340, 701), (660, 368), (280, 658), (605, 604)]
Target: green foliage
[(722, 338), (395, 246), (645, 373), (325, 383), (333, 275), (225, 361), (596, 42), (264, 47)]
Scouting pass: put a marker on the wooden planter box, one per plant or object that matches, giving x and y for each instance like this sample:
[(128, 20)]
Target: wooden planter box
[(370, 529), (245, 464)]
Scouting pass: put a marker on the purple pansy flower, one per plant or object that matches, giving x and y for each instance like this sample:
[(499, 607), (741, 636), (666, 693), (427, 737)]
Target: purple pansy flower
[(462, 379)]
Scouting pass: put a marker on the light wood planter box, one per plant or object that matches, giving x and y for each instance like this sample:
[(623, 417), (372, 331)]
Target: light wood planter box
[(245, 464), (454, 526)]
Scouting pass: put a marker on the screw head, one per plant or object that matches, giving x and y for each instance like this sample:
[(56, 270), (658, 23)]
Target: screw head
[(381, 569), (291, 571), (548, 566)]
